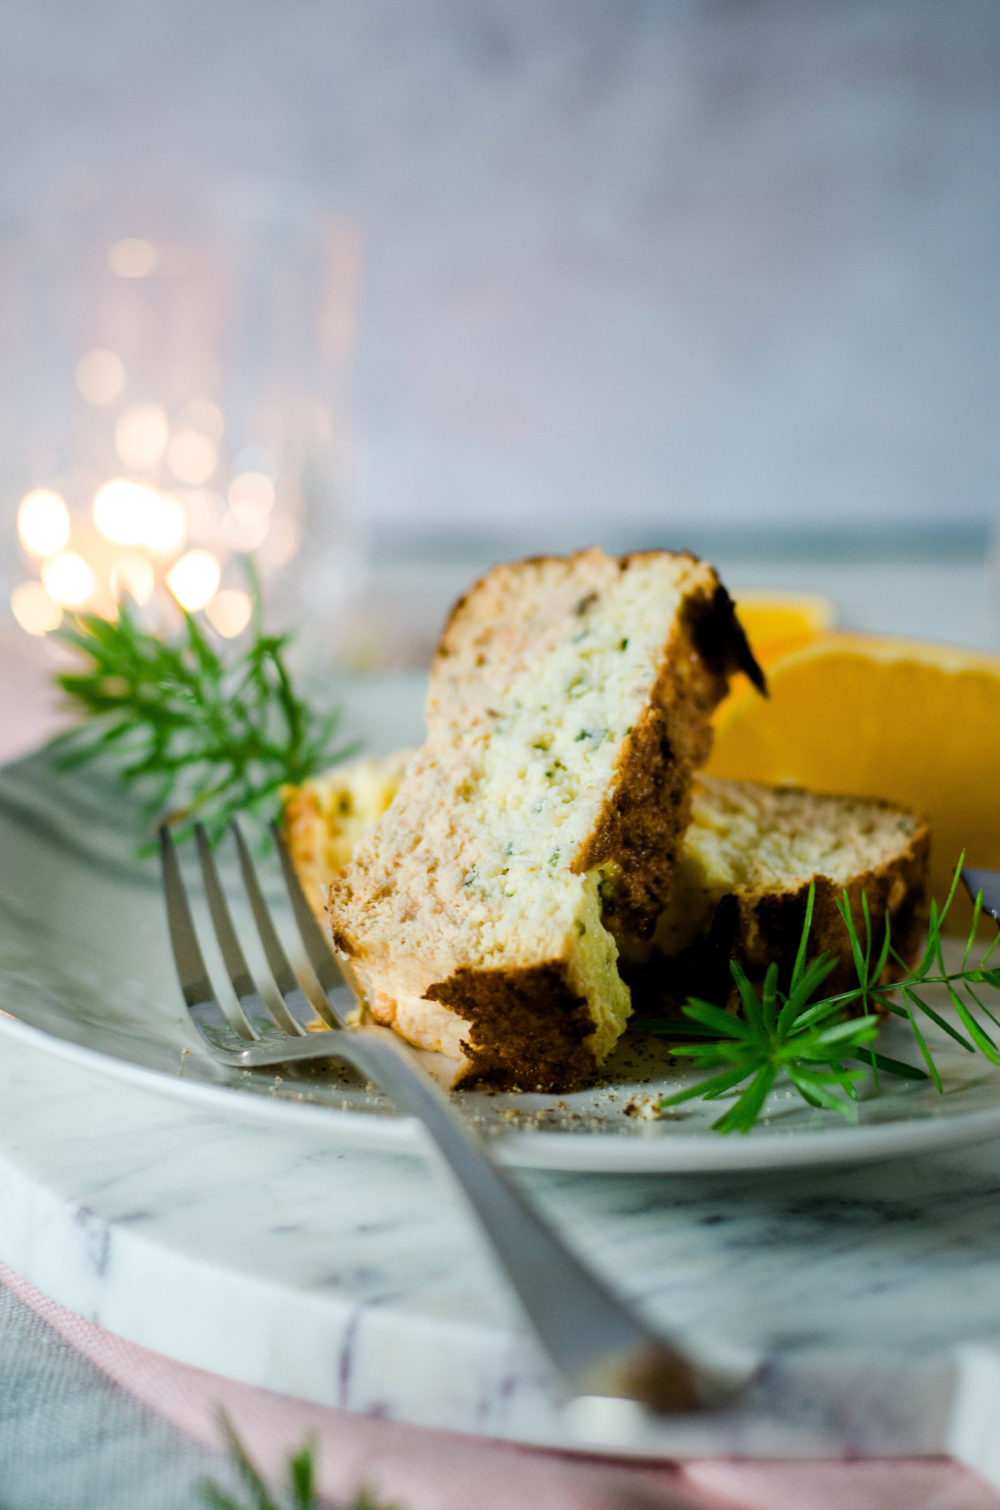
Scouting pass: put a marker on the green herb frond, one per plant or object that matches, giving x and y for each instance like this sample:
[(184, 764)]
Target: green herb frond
[(302, 1493), (816, 1041), (201, 737)]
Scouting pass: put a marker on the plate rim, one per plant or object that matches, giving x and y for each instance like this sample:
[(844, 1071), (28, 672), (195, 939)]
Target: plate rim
[(644, 1149), (598, 1153)]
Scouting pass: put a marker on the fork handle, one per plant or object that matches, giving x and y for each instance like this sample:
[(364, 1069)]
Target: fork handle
[(595, 1341)]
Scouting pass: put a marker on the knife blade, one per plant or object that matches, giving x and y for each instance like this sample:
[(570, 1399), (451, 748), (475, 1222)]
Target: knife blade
[(987, 882)]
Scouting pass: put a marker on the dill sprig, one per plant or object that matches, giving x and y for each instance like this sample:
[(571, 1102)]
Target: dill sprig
[(818, 1041), (204, 738), (301, 1468)]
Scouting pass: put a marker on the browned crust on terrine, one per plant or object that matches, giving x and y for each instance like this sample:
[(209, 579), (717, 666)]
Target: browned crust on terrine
[(718, 635), (649, 805), (527, 1028), (759, 926)]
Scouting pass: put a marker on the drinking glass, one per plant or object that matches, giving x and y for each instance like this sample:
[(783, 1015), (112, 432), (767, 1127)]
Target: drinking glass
[(174, 395)]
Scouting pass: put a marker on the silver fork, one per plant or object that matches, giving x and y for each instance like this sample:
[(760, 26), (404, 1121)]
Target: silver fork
[(616, 1371)]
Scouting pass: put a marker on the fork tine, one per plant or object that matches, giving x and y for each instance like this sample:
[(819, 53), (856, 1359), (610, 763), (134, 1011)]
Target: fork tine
[(338, 999), (196, 987), (300, 1009), (259, 1019)]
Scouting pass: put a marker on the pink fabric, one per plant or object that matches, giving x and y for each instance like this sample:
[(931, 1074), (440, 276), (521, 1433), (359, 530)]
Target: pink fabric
[(29, 704), (432, 1470)]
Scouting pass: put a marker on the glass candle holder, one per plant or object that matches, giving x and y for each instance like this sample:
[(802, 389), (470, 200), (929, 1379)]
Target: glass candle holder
[(174, 402)]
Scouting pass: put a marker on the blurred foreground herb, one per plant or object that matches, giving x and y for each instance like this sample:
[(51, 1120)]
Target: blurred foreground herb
[(301, 1495)]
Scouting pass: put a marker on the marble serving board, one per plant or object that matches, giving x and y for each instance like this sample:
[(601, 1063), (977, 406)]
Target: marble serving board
[(868, 1300)]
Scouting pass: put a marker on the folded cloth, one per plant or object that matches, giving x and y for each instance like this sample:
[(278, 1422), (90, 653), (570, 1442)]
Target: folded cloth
[(417, 1469), (72, 1439)]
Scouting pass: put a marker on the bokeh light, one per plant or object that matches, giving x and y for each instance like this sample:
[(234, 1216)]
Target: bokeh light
[(33, 609), (141, 436), (252, 492), (131, 513), (132, 257), (201, 414), (203, 509), (192, 457), (280, 544), (68, 580), (251, 499), (194, 578), (42, 522), (122, 510), (133, 577), (244, 531), (100, 376), (229, 612), (165, 525)]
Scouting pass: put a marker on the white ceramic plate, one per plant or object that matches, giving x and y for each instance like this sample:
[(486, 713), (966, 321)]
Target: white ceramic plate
[(86, 972)]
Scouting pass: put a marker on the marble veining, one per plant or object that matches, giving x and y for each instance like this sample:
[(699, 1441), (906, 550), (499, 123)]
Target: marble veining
[(864, 1301)]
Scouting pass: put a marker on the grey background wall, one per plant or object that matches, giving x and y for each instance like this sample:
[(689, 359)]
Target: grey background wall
[(668, 263)]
